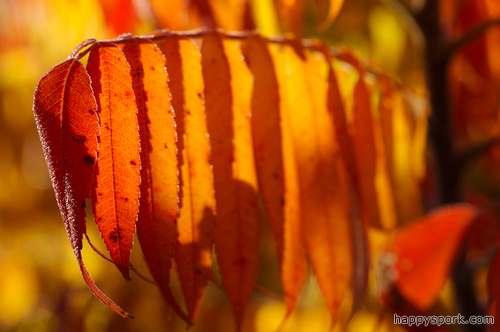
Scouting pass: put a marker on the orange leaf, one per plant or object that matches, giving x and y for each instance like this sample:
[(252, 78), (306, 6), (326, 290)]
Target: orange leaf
[(116, 197), (159, 201), (364, 151), (196, 220), (325, 222), (266, 134), (399, 126), (291, 14), (228, 92), (334, 7), (425, 251), (65, 113), (349, 182), (275, 160), (170, 14), (229, 15), (383, 184)]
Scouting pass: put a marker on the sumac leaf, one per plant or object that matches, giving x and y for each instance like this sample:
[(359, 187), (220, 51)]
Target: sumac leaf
[(196, 221), (159, 201), (65, 113), (348, 182), (228, 90), (365, 151), (425, 251), (116, 196), (334, 7), (325, 220), (276, 166)]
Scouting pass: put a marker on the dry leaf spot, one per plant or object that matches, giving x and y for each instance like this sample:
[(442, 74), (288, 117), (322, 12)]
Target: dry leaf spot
[(79, 138), (115, 234), (89, 160), (132, 162)]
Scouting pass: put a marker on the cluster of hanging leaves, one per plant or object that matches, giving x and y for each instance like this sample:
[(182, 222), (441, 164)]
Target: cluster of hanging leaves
[(182, 155), (175, 136), (178, 136)]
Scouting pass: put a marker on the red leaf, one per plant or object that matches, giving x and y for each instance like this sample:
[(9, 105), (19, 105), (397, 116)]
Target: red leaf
[(120, 15), (116, 197), (228, 89), (159, 201), (425, 251), (65, 113), (364, 150)]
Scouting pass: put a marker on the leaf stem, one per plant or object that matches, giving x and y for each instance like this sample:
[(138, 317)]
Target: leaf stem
[(76, 52), (131, 267)]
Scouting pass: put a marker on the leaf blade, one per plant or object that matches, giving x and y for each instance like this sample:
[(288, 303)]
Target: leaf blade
[(326, 242), (65, 112), (116, 198), (425, 250), (276, 165), (159, 200), (196, 223), (228, 92)]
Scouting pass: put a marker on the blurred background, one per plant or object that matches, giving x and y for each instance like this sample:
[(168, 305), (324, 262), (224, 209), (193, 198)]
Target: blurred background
[(41, 288)]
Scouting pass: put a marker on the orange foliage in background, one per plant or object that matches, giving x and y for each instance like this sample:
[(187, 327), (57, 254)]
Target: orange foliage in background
[(380, 134)]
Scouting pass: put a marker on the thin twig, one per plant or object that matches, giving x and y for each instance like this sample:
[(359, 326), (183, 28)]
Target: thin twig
[(117, 264)]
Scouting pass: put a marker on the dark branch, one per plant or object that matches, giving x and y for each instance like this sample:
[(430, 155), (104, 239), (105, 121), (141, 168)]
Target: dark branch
[(477, 150), (468, 37)]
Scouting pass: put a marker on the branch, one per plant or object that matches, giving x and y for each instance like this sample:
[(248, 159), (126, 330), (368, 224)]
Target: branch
[(468, 37), (476, 150)]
